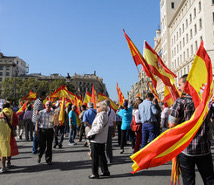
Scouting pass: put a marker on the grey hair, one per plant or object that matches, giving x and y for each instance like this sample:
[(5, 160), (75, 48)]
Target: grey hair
[(103, 105)]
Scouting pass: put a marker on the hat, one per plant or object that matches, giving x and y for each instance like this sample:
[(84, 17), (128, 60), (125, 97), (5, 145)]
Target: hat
[(125, 104), (90, 105)]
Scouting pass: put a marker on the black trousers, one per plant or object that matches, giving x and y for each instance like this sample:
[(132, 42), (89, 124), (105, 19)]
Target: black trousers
[(45, 142), (119, 131), (123, 138), (61, 130), (98, 158), (204, 164)]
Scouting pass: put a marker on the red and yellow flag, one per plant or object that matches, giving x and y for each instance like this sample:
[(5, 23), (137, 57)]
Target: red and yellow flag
[(94, 96), (173, 141), (120, 96), (62, 112), (102, 97), (138, 59), (168, 100), (22, 108), (153, 91), (31, 96), (87, 98)]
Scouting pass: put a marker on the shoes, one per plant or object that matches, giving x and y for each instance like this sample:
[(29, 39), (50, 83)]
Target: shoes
[(60, 146), (93, 176), (8, 165), (54, 146), (3, 170), (71, 144), (49, 163), (75, 143), (105, 174), (39, 159), (85, 144), (121, 151), (35, 152)]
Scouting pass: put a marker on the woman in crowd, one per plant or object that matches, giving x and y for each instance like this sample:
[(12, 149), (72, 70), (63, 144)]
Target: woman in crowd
[(28, 123), (136, 126), (98, 137)]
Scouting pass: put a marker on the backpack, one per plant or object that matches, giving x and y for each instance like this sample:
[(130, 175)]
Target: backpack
[(135, 126)]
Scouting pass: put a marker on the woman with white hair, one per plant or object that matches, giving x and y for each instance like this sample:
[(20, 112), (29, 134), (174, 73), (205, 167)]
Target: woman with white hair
[(98, 137)]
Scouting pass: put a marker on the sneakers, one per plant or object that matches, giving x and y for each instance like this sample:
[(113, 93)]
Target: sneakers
[(122, 151), (3, 170), (71, 144), (105, 174)]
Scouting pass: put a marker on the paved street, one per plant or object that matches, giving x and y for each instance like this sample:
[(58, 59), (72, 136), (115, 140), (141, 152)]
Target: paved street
[(71, 165)]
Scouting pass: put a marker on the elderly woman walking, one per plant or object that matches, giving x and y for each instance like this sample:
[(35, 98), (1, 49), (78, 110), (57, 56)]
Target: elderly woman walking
[(98, 137)]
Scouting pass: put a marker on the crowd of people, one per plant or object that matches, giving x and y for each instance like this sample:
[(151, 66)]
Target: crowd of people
[(138, 122)]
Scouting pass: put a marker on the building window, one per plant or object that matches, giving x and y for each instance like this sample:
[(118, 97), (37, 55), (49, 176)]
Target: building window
[(179, 31), (187, 39), (183, 42), (191, 34), (1, 67), (184, 70), (186, 23), (184, 56), (0, 79), (200, 23), (195, 29), (194, 12), (7, 73), (172, 5), (7, 68), (187, 53), (199, 6), (180, 45), (178, 60), (190, 18), (181, 59), (1, 73), (196, 46), (201, 38), (182, 27)]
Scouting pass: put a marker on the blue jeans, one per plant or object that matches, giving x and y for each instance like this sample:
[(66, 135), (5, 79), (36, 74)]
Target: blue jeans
[(72, 133), (148, 132)]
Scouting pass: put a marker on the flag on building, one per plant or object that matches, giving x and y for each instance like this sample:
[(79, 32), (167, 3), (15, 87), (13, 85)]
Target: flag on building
[(173, 141)]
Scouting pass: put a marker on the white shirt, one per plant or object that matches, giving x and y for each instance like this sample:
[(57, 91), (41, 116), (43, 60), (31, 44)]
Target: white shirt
[(165, 113), (136, 114), (111, 117)]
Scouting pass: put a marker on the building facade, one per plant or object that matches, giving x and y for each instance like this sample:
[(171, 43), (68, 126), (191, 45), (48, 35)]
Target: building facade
[(184, 24)]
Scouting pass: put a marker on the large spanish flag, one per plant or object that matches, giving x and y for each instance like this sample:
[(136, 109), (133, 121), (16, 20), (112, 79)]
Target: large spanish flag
[(138, 59), (173, 141), (94, 96), (102, 97), (120, 96)]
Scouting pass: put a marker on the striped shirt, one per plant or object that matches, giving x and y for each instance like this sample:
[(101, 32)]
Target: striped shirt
[(38, 105), (46, 119), (182, 110)]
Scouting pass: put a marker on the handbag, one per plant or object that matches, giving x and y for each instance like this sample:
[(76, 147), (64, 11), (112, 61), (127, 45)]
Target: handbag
[(135, 126)]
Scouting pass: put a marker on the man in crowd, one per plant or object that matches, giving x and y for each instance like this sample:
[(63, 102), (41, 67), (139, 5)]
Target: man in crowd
[(44, 128), (38, 106), (148, 114), (88, 119), (111, 131), (72, 125), (198, 151)]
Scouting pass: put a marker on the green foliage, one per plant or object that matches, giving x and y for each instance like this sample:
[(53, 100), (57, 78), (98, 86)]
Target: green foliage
[(24, 86)]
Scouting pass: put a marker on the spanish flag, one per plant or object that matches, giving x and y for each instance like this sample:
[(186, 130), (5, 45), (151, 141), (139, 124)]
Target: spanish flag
[(169, 144), (120, 96), (22, 108), (102, 97), (168, 100), (62, 112), (138, 59), (30, 96), (94, 96), (87, 98)]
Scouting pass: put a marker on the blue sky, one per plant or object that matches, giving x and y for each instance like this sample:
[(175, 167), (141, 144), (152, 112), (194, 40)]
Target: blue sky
[(82, 36)]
